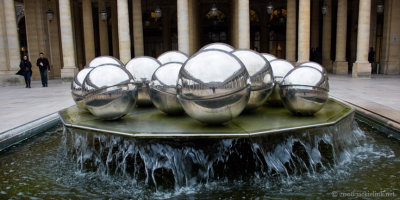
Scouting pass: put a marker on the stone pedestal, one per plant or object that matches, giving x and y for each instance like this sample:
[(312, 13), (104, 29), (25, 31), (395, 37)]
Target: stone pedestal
[(291, 32), (88, 33), (340, 67), (303, 51), (361, 69), (67, 38), (137, 28), (183, 26), (244, 24)]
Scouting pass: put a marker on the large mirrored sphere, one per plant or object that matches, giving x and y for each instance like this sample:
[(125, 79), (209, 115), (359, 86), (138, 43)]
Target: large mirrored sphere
[(142, 69), (318, 67), (269, 57), (280, 68), (219, 46), (163, 88), (303, 90), (172, 56), (110, 92), (213, 86), (103, 60), (76, 87), (262, 81)]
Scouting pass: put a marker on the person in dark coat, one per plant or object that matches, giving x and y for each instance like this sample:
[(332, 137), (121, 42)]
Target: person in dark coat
[(44, 67), (26, 70)]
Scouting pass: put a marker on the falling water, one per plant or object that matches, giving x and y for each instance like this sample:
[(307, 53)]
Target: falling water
[(172, 164)]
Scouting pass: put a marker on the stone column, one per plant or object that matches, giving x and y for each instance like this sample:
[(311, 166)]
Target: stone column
[(137, 28), (3, 42), (340, 66), (303, 50), (235, 28), (103, 30), (244, 24), (88, 33), (362, 68), (193, 38), (183, 25), (12, 35), (315, 12), (390, 59), (67, 41), (123, 31), (291, 32), (326, 37), (114, 27)]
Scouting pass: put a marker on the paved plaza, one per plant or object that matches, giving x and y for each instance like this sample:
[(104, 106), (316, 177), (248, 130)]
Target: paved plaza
[(19, 105)]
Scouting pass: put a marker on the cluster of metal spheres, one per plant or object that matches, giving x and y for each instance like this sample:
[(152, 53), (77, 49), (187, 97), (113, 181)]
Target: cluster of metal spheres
[(213, 86)]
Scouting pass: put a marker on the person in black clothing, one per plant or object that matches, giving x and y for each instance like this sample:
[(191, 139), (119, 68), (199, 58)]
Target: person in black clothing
[(371, 57), (26, 70), (44, 67)]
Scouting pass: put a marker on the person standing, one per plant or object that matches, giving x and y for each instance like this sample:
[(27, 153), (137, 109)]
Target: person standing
[(26, 70), (371, 57), (44, 67)]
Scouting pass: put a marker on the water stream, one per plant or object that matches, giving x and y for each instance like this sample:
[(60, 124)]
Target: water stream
[(313, 163)]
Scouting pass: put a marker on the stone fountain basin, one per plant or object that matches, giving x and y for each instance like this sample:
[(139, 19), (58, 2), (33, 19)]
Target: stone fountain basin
[(152, 123)]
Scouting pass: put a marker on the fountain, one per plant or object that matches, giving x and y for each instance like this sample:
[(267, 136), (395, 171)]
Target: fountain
[(158, 153)]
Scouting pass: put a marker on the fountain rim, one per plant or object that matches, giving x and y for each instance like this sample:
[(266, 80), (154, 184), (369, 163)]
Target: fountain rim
[(182, 135)]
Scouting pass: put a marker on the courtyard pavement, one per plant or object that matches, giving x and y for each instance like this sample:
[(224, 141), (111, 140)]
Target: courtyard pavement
[(19, 105)]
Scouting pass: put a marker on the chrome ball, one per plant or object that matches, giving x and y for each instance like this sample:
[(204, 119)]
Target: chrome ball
[(218, 45), (76, 87), (280, 68), (303, 90), (142, 69), (172, 56), (318, 67), (163, 88), (110, 92), (213, 86), (261, 77), (103, 60), (269, 57)]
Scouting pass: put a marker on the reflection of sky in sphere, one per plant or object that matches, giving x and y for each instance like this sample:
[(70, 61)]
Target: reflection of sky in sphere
[(280, 67), (106, 76), (304, 76), (168, 74), (102, 60), (253, 61), (80, 77), (220, 46), (142, 68), (172, 56), (269, 57), (212, 66)]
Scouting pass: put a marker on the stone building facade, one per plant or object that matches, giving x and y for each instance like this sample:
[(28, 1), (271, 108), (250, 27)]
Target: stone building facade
[(336, 33)]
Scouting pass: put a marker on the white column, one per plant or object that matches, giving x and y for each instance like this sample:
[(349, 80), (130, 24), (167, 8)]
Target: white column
[(88, 33), (123, 31), (244, 24), (183, 25), (12, 35), (291, 32), (137, 28), (67, 40), (103, 30), (340, 66), (3, 38), (303, 50), (362, 68)]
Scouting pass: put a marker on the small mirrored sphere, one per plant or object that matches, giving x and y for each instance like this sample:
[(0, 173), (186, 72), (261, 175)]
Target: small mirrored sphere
[(103, 60), (163, 88), (172, 56), (280, 68), (269, 57), (110, 92), (213, 86), (303, 90), (261, 77), (142, 69), (76, 87), (318, 67), (219, 46)]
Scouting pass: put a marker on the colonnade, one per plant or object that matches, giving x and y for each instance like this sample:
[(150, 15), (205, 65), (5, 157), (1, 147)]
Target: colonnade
[(300, 33)]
